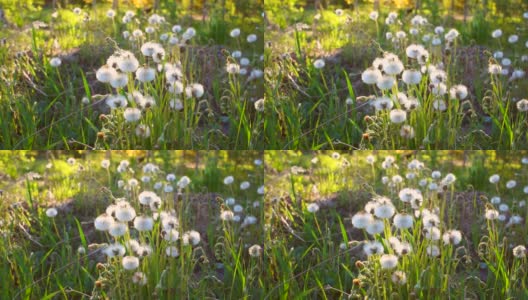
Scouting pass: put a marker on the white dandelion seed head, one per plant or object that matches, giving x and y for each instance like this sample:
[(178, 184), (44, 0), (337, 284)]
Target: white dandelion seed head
[(451, 35), (114, 250), (139, 278), (407, 194), (491, 214), (105, 163), (429, 220), (255, 251), (494, 179), (132, 114), (513, 39), (117, 229), (145, 74), (403, 221), (506, 62), (116, 101), (126, 61), (259, 105), (498, 54), (495, 200), (414, 50), (383, 103), (519, 251), (459, 92), (432, 233), (497, 33), (183, 182), (119, 80), (362, 219), (373, 248), (397, 179), (403, 249), (392, 64), (229, 180), (245, 185), (388, 261), (399, 277), (511, 184), (433, 250), (251, 38), (227, 215), (105, 74), (371, 75), (439, 105), (51, 212), (130, 263), (516, 219), (494, 69), (401, 35), (172, 251), (407, 132), (522, 105), (125, 212), (103, 222), (398, 116), (449, 179), (176, 104), (235, 33), (232, 68), (191, 237), (171, 235), (55, 62), (312, 207), (375, 227), (452, 237), (319, 64), (143, 223), (411, 77), (517, 74), (426, 38), (167, 188), (437, 76)]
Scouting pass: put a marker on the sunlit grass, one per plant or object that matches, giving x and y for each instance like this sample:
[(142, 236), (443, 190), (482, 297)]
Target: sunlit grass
[(317, 252), (51, 247), (331, 107), (38, 99)]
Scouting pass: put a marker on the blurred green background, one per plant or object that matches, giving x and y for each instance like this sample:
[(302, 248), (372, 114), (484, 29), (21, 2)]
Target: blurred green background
[(337, 178), (474, 18), (81, 183)]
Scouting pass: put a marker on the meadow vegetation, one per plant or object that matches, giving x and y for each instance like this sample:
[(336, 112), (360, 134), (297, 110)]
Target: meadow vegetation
[(397, 76), (397, 224), (86, 76), (131, 225)]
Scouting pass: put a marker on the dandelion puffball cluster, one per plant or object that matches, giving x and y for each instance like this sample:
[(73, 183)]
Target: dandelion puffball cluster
[(137, 79), (382, 217), (400, 81), (147, 209)]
